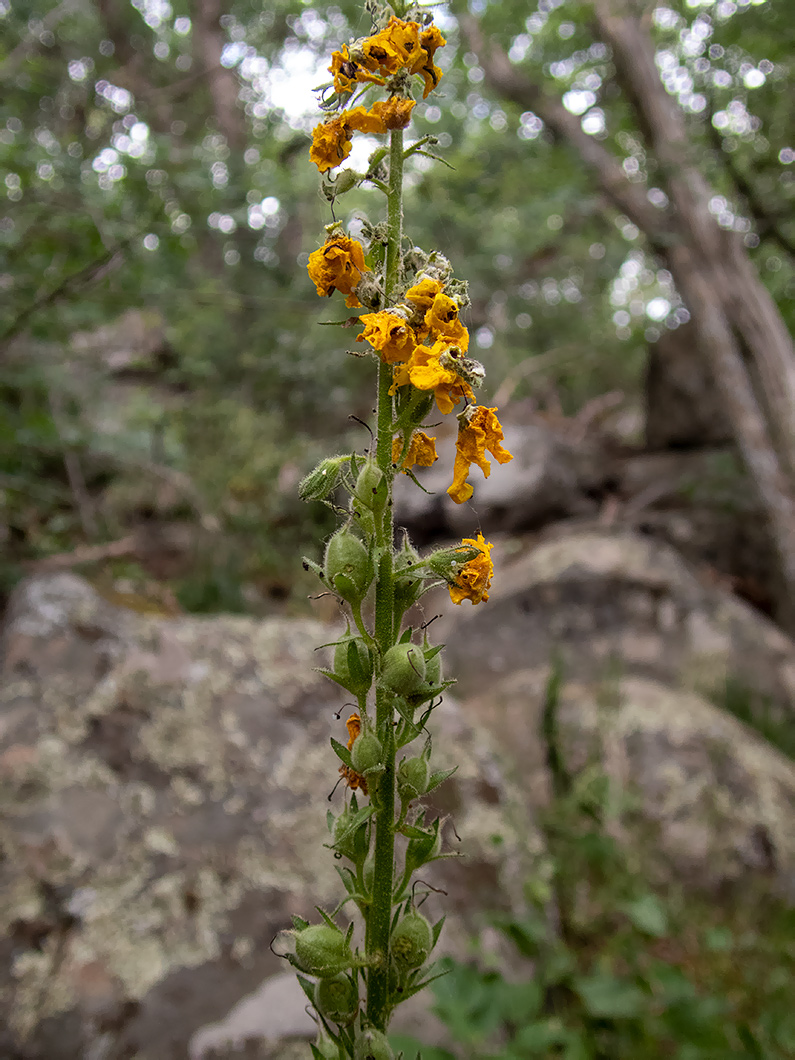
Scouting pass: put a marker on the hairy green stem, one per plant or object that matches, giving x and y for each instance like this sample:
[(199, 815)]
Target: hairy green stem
[(380, 914)]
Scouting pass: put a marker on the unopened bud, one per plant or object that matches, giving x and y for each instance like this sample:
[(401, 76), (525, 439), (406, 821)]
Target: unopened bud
[(347, 566), (412, 941), (372, 488), (322, 950), (367, 754), (404, 669), (353, 664), (372, 1045), (323, 479), (412, 778), (337, 999)]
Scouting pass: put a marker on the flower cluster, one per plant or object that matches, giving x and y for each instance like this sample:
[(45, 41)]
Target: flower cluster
[(386, 58)]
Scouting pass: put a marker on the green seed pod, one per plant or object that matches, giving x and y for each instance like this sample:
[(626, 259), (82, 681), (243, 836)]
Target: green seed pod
[(412, 778), (320, 482), (347, 566), (321, 950), (367, 754), (412, 941), (372, 488), (355, 845), (404, 669), (337, 999), (372, 1045), (353, 664)]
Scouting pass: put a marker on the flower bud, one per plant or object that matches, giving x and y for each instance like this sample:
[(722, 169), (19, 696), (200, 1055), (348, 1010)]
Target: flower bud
[(412, 941), (337, 999), (372, 488), (367, 754), (372, 1045), (347, 566), (322, 950), (412, 778), (320, 482), (353, 665), (404, 669)]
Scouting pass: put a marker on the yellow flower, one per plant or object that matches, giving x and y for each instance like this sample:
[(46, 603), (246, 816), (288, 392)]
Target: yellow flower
[(389, 334), (430, 40), (424, 371), (395, 46), (347, 71), (331, 143), (423, 292), (366, 121), (481, 434), (474, 578), (442, 319), (338, 266), (331, 140), (394, 112), (421, 451)]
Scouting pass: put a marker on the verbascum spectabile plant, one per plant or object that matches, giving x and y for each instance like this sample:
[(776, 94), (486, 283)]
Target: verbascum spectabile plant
[(413, 332)]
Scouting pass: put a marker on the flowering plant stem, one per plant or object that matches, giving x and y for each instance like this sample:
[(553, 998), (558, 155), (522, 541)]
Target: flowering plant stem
[(389, 666), (378, 922)]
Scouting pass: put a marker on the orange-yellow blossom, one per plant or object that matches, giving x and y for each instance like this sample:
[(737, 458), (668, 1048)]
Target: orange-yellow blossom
[(338, 266), (430, 40), (397, 45), (424, 371), (481, 434), (442, 319), (421, 451), (389, 334), (331, 140), (424, 292), (394, 113), (348, 71), (474, 579)]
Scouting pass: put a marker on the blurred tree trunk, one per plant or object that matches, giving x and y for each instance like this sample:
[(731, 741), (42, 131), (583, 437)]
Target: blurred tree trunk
[(740, 333)]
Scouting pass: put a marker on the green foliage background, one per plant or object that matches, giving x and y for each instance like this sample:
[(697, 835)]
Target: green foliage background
[(127, 188)]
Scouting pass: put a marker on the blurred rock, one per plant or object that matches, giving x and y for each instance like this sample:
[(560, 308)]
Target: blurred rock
[(616, 601), (162, 785)]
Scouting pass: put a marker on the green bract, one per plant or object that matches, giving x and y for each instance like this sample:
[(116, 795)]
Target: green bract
[(353, 665)]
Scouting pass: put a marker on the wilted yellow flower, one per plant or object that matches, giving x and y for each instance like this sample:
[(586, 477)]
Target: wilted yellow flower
[(481, 434), (347, 71), (423, 292), (395, 46), (424, 371), (363, 120), (395, 113), (442, 319), (331, 143), (338, 266), (474, 578), (421, 451), (389, 334), (430, 40)]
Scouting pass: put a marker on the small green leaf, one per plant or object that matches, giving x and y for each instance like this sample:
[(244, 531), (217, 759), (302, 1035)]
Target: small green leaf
[(342, 753), (648, 915), (607, 997)]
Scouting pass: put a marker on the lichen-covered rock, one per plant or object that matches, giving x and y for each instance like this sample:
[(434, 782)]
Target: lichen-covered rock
[(162, 814), (607, 601), (712, 800)]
